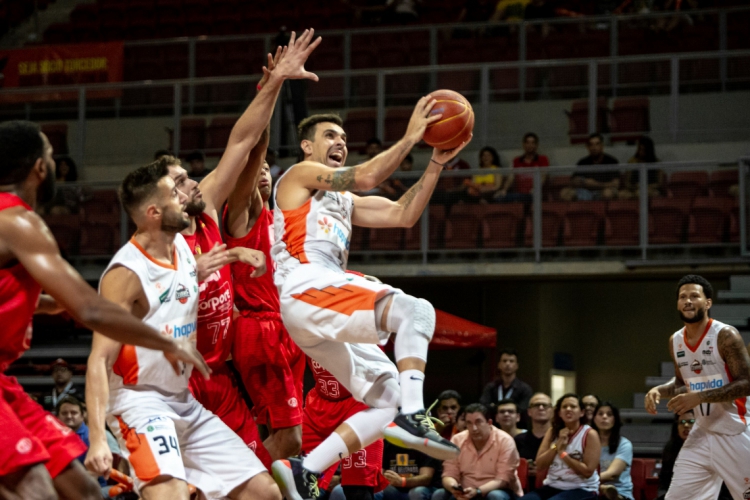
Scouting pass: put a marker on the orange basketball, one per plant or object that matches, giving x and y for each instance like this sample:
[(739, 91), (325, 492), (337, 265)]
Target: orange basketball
[(455, 125)]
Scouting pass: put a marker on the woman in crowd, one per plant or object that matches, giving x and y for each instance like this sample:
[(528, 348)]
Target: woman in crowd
[(681, 428), (570, 450), (68, 197), (589, 403), (482, 187), (617, 454), (645, 153)]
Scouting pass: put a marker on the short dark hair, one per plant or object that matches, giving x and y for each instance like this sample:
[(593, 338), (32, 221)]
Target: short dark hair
[(530, 134), (694, 279), (449, 394), (478, 408), (306, 128), (140, 184), (374, 140), (70, 400), (508, 351), (594, 136), (506, 401), (493, 152), (21, 145), (196, 155), (161, 152)]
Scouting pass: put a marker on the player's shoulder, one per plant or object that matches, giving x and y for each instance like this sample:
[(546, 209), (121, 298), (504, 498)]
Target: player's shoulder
[(20, 218)]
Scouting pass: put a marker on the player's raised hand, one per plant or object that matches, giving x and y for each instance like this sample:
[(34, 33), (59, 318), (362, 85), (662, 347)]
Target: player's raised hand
[(211, 261), (99, 459), (652, 400), (443, 156), (684, 402), (184, 350), (294, 55), (421, 118), (273, 61)]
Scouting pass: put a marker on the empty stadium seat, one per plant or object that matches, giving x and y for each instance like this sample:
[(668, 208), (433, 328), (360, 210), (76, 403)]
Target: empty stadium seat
[(462, 228), (437, 226), (640, 471), (734, 222), (217, 134), (688, 185), (100, 239), (578, 119), (629, 118), (666, 220), (501, 225), (360, 126), (396, 121), (523, 473), (57, 134), (553, 214), (709, 219), (101, 206), (358, 240), (386, 238), (583, 223), (721, 181), (192, 135), (66, 230), (622, 224), (413, 237)]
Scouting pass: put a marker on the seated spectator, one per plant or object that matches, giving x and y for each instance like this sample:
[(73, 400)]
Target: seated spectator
[(645, 153), (507, 417), (273, 165), (72, 412), (589, 403), (68, 198), (519, 187), (62, 376), (570, 451), (617, 454), (460, 421), (410, 474), (450, 190), (197, 165), (528, 443), (507, 385), (373, 147), (593, 185), (510, 11), (681, 428), (394, 188), (486, 465), (449, 404), (483, 187)]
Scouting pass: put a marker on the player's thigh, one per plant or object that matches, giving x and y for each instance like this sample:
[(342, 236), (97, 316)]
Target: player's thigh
[(259, 487), (75, 483), (163, 487), (731, 456), (694, 476), (29, 483)]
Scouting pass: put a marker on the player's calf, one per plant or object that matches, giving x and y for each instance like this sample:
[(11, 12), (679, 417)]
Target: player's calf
[(259, 487), (165, 487), (285, 442), (76, 482), (32, 483)]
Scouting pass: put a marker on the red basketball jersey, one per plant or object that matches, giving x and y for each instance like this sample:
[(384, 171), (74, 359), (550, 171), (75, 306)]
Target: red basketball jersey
[(19, 295), (326, 384), (216, 297), (255, 294)]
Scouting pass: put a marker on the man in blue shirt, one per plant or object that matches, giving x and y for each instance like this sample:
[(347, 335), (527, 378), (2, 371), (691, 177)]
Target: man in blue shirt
[(71, 412)]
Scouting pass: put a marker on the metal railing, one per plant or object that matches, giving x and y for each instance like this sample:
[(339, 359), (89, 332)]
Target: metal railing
[(699, 211)]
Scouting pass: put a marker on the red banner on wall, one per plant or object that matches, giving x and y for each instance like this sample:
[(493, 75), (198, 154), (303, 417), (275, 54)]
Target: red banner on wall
[(54, 65)]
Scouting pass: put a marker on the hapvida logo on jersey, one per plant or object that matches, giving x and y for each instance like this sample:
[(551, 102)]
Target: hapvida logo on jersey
[(703, 385), (178, 331)]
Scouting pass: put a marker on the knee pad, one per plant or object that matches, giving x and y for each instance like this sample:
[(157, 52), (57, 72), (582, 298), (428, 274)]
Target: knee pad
[(358, 492), (413, 320), (368, 425), (385, 393)]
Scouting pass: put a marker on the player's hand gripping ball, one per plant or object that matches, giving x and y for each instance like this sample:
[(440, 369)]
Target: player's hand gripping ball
[(456, 124)]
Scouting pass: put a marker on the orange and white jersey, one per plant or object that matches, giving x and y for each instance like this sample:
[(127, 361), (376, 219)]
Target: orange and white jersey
[(172, 293), (702, 368), (318, 232)]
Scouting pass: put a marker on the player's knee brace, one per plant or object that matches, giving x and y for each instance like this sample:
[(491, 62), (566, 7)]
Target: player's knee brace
[(358, 492), (368, 425), (413, 320)]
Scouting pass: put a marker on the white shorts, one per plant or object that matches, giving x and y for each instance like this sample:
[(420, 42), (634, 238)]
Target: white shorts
[(330, 315), (705, 460), (185, 441)]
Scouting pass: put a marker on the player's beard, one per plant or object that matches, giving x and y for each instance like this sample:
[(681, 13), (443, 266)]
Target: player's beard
[(195, 208), (46, 190), (699, 315), (174, 222)]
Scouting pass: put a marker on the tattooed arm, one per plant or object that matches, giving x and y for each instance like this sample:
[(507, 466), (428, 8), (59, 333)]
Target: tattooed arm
[(672, 388)]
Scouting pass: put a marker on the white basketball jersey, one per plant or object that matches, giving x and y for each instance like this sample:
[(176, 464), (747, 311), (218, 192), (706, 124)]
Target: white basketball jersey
[(172, 293), (317, 232), (561, 476), (703, 369)]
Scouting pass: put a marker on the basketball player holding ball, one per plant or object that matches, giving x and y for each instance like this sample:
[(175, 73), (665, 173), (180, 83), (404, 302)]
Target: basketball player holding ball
[(338, 319)]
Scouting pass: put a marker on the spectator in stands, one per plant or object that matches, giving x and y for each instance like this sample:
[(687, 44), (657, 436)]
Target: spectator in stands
[(449, 404), (68, 198), (62, 376), (461, 421), (527, 443), (589, 403), (593, 185), (510, 11), (197, 162), (519, 187), (570, 451), (681, 427), (373, 148), (507, 385), (645, 153), (450, 190), (617, 454), (273, 165), (476, 11), (507, 417), (486, 465), (483, 187), (410, 474)]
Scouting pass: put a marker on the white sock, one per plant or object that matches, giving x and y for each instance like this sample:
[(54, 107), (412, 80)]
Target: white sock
[(326, 454), (411, 382)]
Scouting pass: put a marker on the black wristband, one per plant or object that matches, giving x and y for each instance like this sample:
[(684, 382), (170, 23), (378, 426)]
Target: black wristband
[(441, 164)]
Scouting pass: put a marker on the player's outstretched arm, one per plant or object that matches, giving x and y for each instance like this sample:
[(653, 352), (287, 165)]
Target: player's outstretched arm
[(245, 203), (376, 211), (732, 350), (314, 176), (245, 134), (30, 240), (104, 352)]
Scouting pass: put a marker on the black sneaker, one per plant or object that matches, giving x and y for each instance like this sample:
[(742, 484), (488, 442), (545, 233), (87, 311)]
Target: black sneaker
[(416, 431), (295, 482)]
